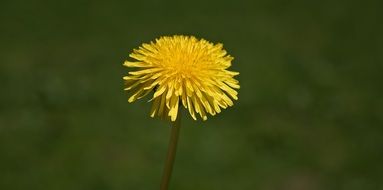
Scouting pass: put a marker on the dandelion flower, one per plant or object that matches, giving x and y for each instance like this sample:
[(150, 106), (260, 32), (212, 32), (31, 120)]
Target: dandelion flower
[(182, 70)]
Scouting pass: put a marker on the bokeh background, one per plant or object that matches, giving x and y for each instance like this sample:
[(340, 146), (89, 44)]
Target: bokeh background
[(309, 115)]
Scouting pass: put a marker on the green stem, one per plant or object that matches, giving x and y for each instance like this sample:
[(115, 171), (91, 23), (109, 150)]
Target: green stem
[(176, 125)]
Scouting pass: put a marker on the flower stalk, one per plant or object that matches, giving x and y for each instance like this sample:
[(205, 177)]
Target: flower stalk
[(174, 135)]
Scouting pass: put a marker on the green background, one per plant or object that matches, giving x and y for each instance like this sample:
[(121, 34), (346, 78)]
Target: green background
[(309, 115)]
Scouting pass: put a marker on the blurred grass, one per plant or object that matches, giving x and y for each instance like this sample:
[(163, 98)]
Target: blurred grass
[(309, 116)]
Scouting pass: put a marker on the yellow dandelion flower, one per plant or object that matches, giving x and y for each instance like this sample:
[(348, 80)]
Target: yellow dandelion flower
[(182, 69)]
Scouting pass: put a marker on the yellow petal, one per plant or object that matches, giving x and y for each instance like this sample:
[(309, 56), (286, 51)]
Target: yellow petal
[(173, 107), (136, 64)]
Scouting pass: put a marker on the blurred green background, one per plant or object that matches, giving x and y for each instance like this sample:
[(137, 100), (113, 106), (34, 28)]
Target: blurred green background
[(309, 115)]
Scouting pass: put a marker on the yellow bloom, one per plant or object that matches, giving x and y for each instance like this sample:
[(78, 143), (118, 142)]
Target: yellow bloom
[(182, 69)]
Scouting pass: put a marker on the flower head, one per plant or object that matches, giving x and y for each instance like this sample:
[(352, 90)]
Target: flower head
[(182, 69)]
